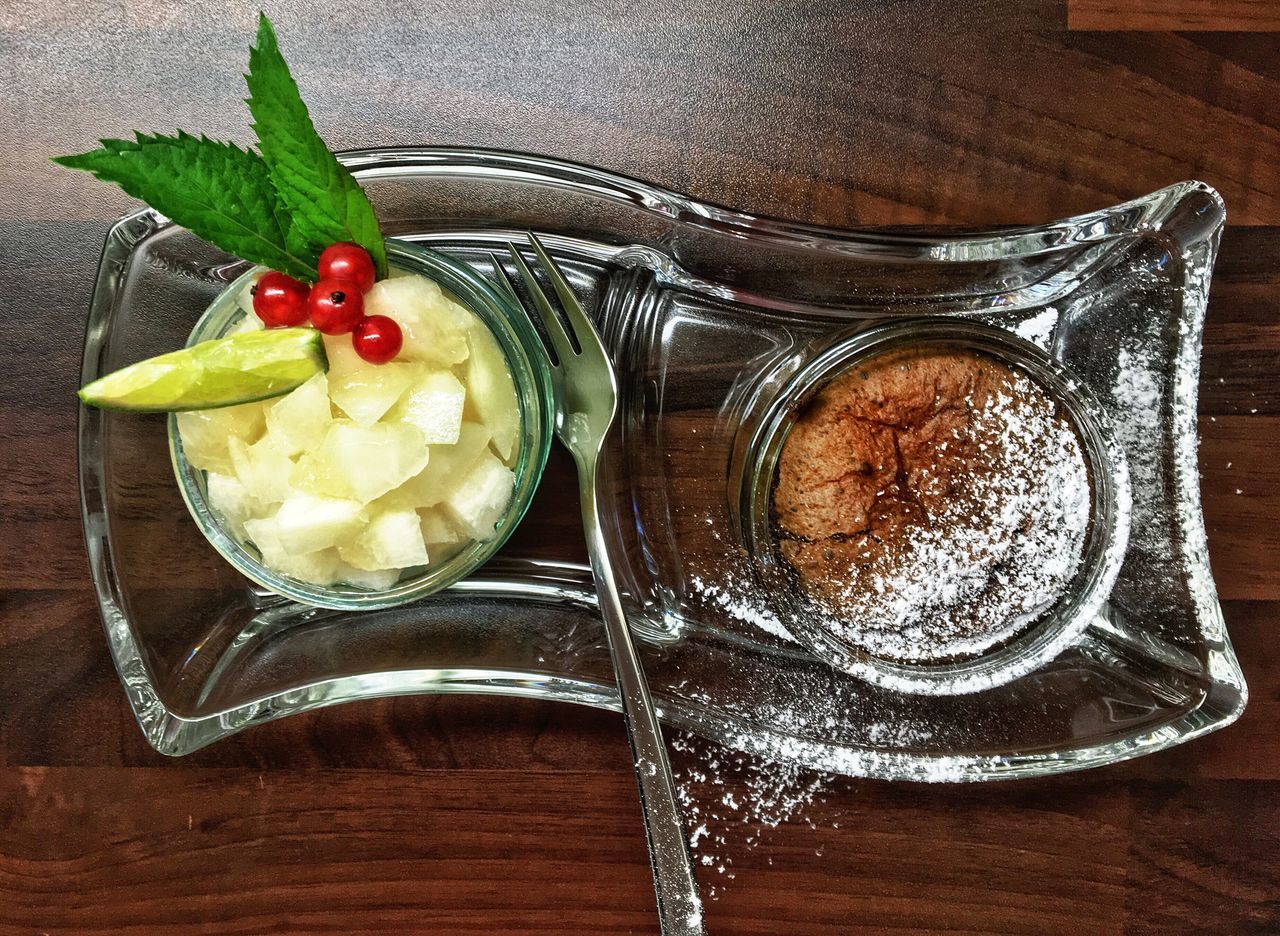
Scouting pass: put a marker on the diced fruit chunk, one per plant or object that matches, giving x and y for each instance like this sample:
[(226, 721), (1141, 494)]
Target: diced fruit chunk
[(391, 540), (447, 466), (379, 580), (491, 393), (438, 529), (263, 470), (433, 326), (205, 433), (231, 500), (342, 357), (320, 567), (361, 463), (249, 323), (365, 394), (298, 422), (434, 404), (479, 500), (307, 523)]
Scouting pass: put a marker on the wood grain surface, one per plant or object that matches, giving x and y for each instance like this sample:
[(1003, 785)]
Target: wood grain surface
[(454, 815)]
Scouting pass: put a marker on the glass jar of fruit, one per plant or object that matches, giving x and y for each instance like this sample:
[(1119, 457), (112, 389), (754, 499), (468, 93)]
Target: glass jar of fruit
[(372, 484)]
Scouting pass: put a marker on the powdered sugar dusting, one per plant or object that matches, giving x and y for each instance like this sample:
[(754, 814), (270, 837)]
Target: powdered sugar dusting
[(732, 800), (980, 535), (1039, 328), (996, 560), (739, 605)]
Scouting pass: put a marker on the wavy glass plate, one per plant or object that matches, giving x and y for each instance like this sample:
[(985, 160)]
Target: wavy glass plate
[(700, 304)]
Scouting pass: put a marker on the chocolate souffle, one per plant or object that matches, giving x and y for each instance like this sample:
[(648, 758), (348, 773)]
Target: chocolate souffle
[(934, 503)]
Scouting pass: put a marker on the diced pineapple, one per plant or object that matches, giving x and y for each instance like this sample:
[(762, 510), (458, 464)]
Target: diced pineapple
[(342, 356), (298, 422), (439, 529), (230, 499), (366, 394), (447, 466), (434, 404), (478, 501), (205, 433), (434, 327), (263, 469), (250, 323), (491, 393), (362, 463), (307, 523), (380, 580), (320, 567), (391, 540)]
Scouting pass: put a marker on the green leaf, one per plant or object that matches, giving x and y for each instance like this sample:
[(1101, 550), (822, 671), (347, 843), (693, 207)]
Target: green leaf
[(216, 190), (325, 202)]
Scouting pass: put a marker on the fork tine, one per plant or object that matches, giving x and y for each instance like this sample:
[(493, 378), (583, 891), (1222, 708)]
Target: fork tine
[(573, 308), (502, 280), (550, 320)]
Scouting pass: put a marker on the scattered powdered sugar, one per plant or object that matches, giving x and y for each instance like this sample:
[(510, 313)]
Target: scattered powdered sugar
[(738, 603), (731, 801), (1039, 328), (1139, 396)]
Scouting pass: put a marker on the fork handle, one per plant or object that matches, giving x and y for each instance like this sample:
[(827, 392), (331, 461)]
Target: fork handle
[(679, 904)]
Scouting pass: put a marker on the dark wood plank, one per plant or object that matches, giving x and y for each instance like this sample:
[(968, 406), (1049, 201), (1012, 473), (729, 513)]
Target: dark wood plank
[(475, 852), (1173, 15), (1188, 851), (869, 113), (248, 851)]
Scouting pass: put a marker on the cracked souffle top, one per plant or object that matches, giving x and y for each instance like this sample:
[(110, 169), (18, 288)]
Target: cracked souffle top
[(933, 503)]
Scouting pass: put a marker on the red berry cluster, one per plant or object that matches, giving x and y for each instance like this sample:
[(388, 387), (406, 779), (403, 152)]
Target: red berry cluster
[(335, 304)]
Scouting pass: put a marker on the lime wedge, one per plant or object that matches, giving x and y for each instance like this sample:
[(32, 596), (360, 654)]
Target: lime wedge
[(238, 369)]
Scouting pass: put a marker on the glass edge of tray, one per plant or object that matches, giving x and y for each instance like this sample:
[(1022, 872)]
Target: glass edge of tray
[(175, 735)]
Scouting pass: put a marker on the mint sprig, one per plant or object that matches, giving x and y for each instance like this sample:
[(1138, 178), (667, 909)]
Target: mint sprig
[(216, 190), (279, 209), (325, 202)]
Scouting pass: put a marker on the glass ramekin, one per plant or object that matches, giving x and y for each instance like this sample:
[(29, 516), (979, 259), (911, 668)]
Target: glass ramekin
[(802, 376), (529, 368)]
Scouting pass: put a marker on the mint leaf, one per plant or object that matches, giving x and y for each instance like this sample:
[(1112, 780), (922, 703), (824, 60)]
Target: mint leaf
[(325, 202), (216, 190)]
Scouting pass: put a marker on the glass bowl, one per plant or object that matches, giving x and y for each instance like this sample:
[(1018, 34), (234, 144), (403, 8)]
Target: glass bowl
[(1106, 537), (522, 349)]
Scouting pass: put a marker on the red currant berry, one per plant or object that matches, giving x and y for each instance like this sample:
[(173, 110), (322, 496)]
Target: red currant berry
[(348, 262), (280, 300), (377, 339), (335, 306)]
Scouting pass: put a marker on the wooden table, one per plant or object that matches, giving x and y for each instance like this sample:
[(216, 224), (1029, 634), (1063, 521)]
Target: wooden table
[(481, 815)]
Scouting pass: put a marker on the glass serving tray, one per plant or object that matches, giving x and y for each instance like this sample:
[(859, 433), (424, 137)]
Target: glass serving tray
[(700, 305)]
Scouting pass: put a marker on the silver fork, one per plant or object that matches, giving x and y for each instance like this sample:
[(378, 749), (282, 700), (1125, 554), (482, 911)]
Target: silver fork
[(586, 405)]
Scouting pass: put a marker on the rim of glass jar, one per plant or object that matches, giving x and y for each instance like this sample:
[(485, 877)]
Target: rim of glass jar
[(530, 371), (1049, 636)]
